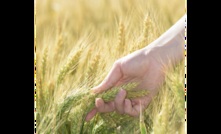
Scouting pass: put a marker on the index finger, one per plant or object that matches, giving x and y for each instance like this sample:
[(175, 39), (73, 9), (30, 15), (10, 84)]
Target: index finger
[(111, 79)]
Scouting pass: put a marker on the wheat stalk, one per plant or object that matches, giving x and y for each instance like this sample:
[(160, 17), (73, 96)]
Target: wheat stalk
[(67, 116), (86, 96), (59, 43), (121, 39), (72, 62), (92, 70), (143, 128), (147, 28)]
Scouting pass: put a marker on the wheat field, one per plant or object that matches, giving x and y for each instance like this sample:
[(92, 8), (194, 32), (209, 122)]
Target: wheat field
[(77, 42)]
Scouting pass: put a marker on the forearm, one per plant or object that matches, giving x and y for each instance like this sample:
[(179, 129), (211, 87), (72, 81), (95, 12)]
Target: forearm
[(169, 47)]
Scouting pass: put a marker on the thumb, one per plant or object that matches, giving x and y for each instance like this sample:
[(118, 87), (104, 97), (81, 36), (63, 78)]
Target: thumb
[(111, 79)]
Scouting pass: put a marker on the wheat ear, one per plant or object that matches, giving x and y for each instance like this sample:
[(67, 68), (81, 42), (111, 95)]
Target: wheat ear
[(72, 62), (121, 38)]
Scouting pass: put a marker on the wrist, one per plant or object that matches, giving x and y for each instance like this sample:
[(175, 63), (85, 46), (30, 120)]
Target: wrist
[(166, 52), (169, 47)]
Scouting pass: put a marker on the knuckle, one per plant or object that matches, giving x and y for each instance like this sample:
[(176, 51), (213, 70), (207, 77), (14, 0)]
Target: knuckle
[(117, 62)]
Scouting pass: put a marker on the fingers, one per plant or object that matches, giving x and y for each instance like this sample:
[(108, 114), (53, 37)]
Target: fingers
[(100, 106), (91, 114), (145, 101), (104, 107), (120, 105), (119, 101), (112, 78), (130, 110)]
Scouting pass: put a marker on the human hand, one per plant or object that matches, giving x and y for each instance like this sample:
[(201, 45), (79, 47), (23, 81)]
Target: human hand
[(147, 67), (139, 66)]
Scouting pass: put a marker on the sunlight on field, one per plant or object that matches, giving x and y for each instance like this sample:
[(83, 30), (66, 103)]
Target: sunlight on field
[(77, 42)]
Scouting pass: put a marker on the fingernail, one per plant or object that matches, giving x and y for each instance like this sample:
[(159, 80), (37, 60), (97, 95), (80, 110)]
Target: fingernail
[(97, 99), (122, 92)]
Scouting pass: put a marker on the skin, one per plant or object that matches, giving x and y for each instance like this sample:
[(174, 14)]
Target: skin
[(146, 66)]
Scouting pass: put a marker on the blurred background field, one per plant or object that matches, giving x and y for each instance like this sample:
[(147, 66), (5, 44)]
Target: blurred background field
[(77, 42)]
